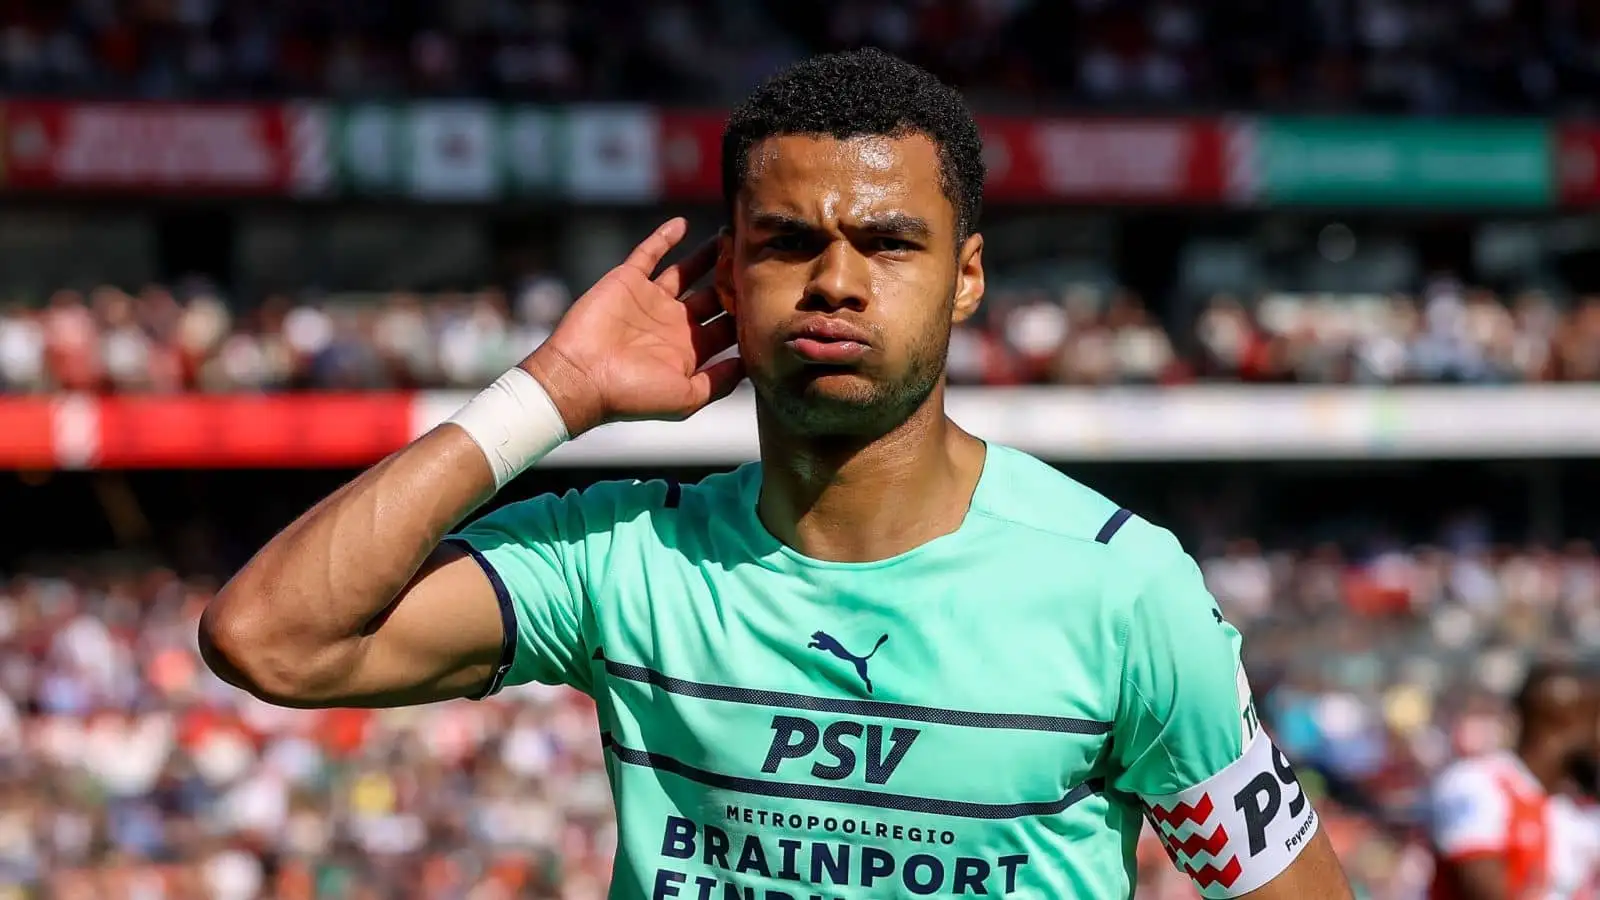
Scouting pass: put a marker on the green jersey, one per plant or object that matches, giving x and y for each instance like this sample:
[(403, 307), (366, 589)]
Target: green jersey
[(997, 711)]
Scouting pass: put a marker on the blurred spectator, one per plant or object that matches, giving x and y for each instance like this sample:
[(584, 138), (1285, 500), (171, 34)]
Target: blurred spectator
[(164, 341), (124, 763), (1449, 335)]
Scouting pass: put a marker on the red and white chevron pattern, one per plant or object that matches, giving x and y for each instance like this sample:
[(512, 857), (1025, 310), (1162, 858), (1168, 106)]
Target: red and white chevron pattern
[(1202, 854)]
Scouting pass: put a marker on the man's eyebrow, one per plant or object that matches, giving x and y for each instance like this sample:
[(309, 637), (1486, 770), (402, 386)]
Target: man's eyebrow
[(898, 224), (779, 222)]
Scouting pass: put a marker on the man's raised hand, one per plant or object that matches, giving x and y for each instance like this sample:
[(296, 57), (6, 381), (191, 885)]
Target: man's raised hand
[(635, 347)]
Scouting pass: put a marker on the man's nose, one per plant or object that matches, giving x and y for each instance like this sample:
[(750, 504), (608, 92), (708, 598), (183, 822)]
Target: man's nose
[(840, 278)]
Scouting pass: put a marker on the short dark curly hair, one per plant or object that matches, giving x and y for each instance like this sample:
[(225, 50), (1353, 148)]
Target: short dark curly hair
[(854, 94)]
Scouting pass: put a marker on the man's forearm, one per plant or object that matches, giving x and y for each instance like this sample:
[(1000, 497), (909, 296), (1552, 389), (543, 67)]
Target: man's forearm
[(300, 607)]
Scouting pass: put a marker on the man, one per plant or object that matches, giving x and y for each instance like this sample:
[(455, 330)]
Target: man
[(889, 660), (1502, 824)]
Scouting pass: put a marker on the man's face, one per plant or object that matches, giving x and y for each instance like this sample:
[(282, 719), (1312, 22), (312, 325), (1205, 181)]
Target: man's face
[(844, 275)]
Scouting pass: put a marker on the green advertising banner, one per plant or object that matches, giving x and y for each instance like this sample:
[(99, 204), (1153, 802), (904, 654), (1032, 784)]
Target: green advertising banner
[(453, 152), (1403, 162)]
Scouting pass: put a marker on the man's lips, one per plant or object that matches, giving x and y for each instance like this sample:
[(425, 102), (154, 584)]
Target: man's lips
[(829, 341)]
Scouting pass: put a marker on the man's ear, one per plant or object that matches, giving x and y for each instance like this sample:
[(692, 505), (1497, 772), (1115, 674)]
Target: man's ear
[(969, 278), (723, 277)]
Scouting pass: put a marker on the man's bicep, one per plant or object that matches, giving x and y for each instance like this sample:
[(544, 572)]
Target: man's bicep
[(495, 604), (1221, 797), (532, 554), (1314, 875), (1185, 711), (442, 638), (1240, 829)]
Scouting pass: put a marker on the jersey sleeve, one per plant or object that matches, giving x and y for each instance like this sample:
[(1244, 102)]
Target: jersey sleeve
[(1467, 813), (1224, 801), (538, 554)]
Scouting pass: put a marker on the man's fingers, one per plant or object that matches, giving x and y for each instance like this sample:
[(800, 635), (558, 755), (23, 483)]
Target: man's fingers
[(653, 249), (717, 380), (679, 276), (713, 338)]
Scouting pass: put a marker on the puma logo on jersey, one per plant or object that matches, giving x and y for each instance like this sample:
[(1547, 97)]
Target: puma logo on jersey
[(822, 640)]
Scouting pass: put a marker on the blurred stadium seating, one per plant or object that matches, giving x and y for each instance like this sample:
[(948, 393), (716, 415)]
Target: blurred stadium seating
[(156, 341), (1393, 55), (248, 245)]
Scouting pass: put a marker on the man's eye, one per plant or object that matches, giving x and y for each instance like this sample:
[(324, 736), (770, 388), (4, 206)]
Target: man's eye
[(893, 245), (787, 243)]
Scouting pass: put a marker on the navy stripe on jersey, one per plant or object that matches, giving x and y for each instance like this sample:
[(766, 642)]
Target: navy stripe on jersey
[(876, 708), (508, 618), (1113, 525), (852, 796)]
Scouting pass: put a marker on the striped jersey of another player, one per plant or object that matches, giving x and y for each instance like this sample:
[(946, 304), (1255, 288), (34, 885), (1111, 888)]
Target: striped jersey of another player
[(1492, 806)]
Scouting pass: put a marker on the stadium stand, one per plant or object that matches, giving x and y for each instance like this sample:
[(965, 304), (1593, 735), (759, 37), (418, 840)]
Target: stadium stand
[(1392, 578), (161, 341), (1390, 55)]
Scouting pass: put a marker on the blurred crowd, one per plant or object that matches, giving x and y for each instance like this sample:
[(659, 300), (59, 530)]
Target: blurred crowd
[(128, 771), (165, 340), (1417, 55), (1448, 334)]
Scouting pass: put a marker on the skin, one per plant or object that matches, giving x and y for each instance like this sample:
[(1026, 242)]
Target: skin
[(1558, 726), (860, 462), (357, 604)]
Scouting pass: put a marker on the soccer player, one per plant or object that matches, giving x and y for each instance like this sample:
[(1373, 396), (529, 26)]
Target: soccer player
[(1502, 824), (888, 660)]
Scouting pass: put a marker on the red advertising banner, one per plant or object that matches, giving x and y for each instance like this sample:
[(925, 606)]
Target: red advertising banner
[(1030, 159), (196, 431), (77, 431), (27, 433), (172, 148), (1577, 165), (251, 431), (1104, 161), (691, 155)]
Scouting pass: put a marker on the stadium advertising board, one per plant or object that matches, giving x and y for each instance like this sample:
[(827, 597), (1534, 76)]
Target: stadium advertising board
[(1166, 161), (691, 155), (423, 151), (1337, 162), (1201, 422), (168, 148), (314, 430), (474, 152), (1578, 164), (477, 153), (1031, 160), (28, 424)]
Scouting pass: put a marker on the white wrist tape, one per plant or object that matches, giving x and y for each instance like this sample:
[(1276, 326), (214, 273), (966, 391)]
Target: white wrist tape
[(514, 421)]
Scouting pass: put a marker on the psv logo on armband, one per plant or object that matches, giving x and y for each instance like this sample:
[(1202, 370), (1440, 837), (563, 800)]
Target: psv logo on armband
[(1242, 827)]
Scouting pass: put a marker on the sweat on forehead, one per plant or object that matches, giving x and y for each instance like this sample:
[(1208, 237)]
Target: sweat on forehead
[(856, 178), (869, 152)]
